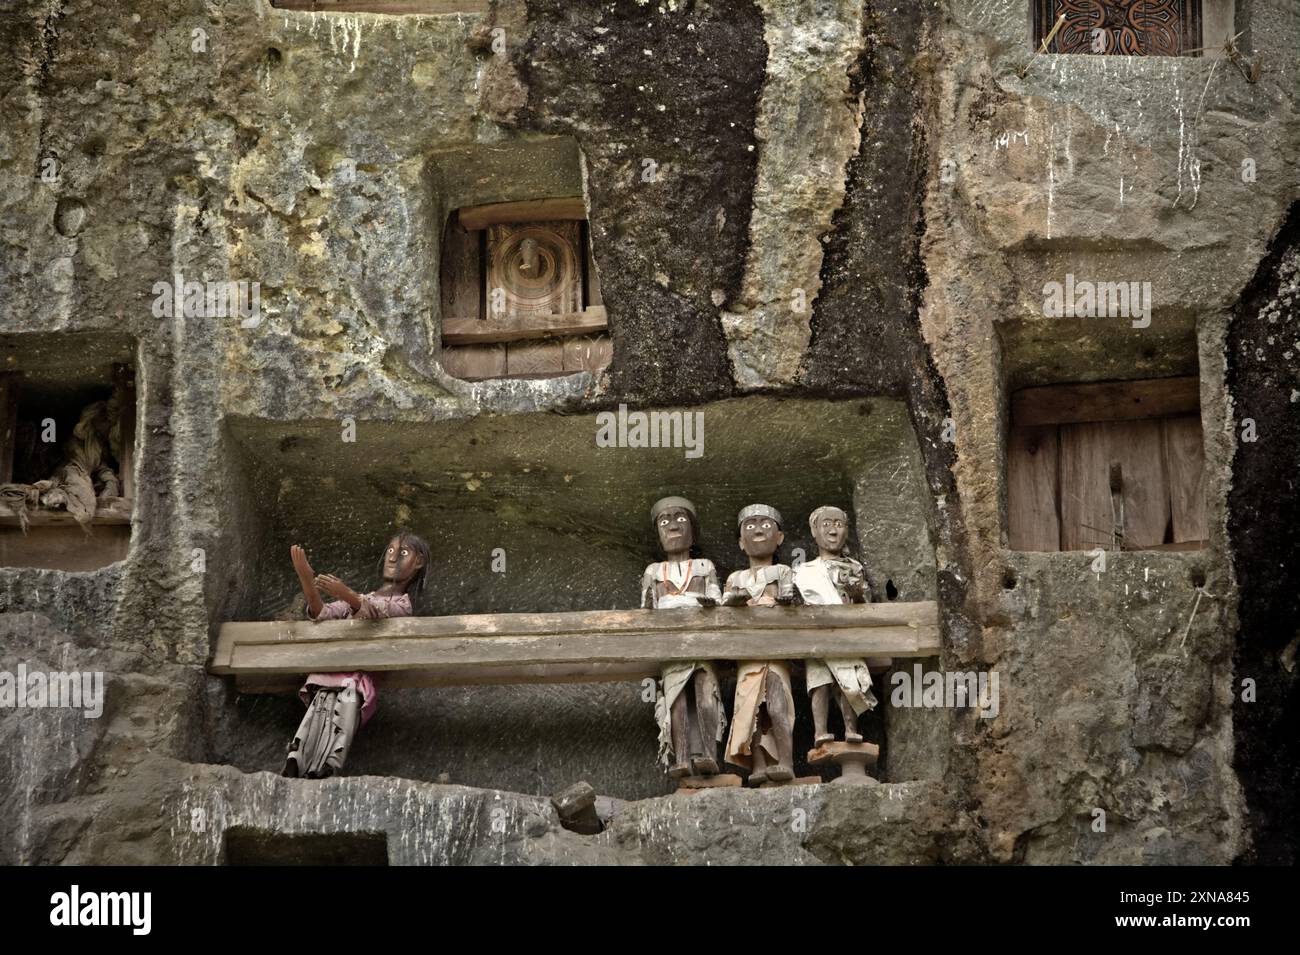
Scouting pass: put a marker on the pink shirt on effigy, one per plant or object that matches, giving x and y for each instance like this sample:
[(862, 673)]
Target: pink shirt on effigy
[(398, 605)]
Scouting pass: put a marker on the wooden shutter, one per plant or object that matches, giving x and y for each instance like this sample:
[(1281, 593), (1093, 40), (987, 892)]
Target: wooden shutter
[(1103, 464)]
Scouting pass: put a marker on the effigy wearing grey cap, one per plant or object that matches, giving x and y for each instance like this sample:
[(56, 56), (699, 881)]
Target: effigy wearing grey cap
[(827, 510), (759, 510), (668, 503)]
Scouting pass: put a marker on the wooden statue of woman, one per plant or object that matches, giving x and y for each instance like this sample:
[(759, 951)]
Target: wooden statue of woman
[(834, 578), (338, 704), (689, 706), (762, 728)]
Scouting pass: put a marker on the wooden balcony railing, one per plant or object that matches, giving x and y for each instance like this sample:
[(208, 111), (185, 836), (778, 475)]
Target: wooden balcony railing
[(570, 647)]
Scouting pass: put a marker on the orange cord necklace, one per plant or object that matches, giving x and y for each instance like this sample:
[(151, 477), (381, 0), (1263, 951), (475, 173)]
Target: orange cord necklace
[(668, 585)]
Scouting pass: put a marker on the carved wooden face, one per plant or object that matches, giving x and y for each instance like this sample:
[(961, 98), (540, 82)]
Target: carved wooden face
[(760, 536), (400, 562), (831, 532), (675, 530)]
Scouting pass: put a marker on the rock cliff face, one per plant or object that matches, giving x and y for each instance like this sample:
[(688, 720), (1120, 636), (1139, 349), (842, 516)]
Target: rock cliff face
[(824, 224)]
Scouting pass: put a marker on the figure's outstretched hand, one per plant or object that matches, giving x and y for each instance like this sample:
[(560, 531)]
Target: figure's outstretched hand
[(300, 564), (707, 601), (307, 579), (332, 586), (339, 590), (735, 598)]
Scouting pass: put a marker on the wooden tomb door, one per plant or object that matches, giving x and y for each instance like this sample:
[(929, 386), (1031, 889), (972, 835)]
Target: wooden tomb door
[(1120, 27)]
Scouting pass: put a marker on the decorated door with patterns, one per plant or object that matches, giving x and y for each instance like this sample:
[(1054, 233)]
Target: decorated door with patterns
[(1120, 27)]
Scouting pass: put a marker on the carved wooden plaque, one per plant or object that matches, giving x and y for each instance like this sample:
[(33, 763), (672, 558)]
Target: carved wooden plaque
[(534, 268), (1120, 27), (520, 296)]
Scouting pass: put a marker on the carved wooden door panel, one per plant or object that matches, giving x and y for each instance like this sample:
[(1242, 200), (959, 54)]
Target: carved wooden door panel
[(520, 293), (1121, 27)]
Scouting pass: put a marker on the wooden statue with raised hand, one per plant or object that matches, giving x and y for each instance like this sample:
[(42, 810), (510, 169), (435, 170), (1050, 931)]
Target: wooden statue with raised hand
[(338, 704), (762, 728)]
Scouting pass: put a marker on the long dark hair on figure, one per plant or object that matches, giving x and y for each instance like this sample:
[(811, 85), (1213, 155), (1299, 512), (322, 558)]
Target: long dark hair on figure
[(416, 543)]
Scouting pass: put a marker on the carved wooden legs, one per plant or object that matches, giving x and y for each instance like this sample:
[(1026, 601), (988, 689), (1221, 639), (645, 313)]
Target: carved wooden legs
[(774, 735), (695, 718), (821, 705), (708, 716), (821, 699)]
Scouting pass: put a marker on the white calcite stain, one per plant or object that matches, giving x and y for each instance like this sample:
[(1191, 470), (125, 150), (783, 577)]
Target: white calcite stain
[(1051, 176), (1093, 82)]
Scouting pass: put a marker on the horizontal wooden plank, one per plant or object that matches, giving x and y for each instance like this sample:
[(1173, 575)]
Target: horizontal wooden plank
[(528, 359), (472, 331), (384, 6), (587, 353), (110, 510), (529, 210), (474, 362), (1107, 401), (575, 646)]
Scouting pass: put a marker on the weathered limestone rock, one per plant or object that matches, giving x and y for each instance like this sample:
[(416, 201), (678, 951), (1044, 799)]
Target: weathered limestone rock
[(886, 158), (809, 123)]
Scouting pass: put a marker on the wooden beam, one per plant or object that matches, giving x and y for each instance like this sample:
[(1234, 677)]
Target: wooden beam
[(530, 210), (474, 362), (8, 426), (1108, 401), (472, 331), (535, 359), (1185, 467), (384, 6), (569, 647), (124, 378), (591, 294), (1033, 512), (110, 510), (461, 275)]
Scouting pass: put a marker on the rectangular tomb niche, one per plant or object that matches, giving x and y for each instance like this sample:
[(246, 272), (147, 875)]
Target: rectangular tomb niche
[(67, 450), (255, 847), (1115, 465), (520, 293), (527, 513), (1132, 27)]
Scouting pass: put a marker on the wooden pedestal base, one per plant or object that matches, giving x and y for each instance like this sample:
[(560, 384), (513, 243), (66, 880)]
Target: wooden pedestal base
[(852, 759)]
